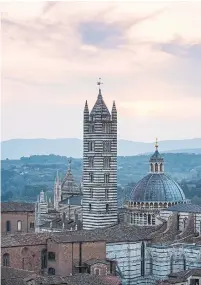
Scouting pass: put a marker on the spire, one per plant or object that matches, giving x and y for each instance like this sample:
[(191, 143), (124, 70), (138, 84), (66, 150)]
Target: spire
[(100, 106), (86, 109)]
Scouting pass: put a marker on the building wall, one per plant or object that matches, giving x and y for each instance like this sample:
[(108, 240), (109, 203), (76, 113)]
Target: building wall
[(67, 256), (14, 217), (129, 259), (24, 257), (182, 216)]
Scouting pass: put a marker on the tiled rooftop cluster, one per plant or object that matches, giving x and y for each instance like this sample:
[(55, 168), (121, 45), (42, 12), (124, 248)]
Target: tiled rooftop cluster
[(17, 207)]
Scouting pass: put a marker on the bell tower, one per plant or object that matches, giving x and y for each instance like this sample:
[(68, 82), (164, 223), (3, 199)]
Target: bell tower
[(99, 165)]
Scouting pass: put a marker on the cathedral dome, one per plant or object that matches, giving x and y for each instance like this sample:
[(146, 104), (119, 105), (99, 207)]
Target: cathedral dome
[(157, 187)]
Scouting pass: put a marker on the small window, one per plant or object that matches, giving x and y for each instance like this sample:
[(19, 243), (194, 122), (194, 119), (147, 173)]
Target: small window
[(51, 255), (106, 146), (8, 226), (91, 177), (91, 193), (6, 261), (106, 194), (51, 271), (106, 162), (19, 226), (161, 167), (107, 128), (90, 145), (91, 161), (156, 167), (31, 225), (91, 128), (97, 271), (107, 208), (89, 207), (106, 178)]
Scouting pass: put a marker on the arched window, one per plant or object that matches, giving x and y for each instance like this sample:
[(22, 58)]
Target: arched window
[(19, 226), (156, 167), (6, 261), (8, 226), (51, 271), (161, 167), (106, 162), (97, 271), (152, 167), (106, 178)]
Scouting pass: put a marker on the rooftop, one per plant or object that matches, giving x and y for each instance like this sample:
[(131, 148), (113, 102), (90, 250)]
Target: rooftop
[(12, 276), (116, 233), (17, 207), (180, 276), (188, 208)]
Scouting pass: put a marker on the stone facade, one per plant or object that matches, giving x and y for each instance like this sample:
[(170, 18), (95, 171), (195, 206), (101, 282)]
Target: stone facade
[(99, 165)]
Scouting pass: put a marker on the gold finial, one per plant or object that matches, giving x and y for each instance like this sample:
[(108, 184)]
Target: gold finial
[(156, 144)]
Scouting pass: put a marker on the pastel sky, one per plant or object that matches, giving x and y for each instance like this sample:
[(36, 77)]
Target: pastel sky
[(148, 55)]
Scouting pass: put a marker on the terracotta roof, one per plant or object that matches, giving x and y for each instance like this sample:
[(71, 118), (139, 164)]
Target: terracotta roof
[(24, 239), (116, 233), (17, 207), (180, 276), (13, 276)]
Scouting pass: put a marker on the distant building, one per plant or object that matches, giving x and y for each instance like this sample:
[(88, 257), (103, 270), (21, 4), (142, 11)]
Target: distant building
[(17, 217), (99, 165), (66, 211), (153, 193)]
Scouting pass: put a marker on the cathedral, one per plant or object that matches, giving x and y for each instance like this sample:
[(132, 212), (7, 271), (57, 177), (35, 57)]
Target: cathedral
[(160, 232)]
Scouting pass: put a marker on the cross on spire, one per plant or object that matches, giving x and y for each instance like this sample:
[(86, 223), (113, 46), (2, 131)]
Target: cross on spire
[(69, 163), (156, 144), (99, 82)]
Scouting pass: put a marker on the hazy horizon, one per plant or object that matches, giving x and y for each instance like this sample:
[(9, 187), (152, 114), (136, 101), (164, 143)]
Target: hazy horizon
[(147, 53)]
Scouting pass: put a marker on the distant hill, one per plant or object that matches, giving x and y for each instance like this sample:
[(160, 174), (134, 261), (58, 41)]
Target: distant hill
[(16, 148)]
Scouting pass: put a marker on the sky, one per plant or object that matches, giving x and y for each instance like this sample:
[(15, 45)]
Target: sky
[(148, 55)]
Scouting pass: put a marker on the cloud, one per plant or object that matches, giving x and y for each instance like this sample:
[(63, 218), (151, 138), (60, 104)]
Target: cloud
[(148, 55)]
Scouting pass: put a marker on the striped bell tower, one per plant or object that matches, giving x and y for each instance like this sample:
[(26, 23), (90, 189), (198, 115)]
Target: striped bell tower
[(99, 165)]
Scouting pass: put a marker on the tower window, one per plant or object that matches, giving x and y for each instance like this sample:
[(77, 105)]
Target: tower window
[(90, 145), (91, 161), (106, 162), (91, 193), (106, 194), (156, 167), (19, 226), (6, 259), (91, 128), (152, 167), (106, 178), (8, 226), (90, 207), (161, 167), (107, 128), (106, 146), (107, 208), (91, 177)]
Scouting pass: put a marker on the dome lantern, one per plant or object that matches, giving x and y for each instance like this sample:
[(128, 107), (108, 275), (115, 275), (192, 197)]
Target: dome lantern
[(156, 161)]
